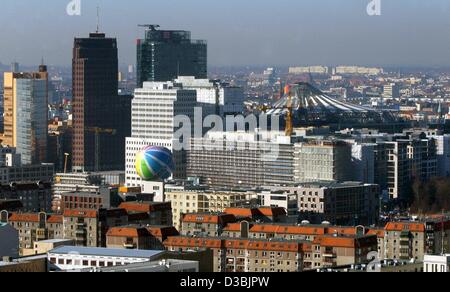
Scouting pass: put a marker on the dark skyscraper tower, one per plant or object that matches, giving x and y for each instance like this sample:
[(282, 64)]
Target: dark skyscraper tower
[(101, 117), (165, 54)]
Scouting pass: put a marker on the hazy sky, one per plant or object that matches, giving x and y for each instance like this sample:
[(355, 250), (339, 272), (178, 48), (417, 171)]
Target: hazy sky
[(240, 32)]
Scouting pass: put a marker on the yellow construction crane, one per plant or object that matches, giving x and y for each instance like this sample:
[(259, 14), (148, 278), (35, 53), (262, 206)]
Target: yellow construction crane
[(97, 131), (289, 117)]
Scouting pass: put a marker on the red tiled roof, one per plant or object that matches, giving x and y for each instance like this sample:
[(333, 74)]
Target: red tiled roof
[(19, 217), (209, 218), (405, 226), (80, 213)]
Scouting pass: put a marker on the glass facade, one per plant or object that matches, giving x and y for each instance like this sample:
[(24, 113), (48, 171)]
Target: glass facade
[(165, 55), (31, 120)]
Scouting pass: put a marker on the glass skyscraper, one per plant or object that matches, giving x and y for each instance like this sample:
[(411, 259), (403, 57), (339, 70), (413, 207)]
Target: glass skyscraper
[(166, 54)]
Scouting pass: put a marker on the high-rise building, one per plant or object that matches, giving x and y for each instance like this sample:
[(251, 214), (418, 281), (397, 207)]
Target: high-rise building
[(15, 67), (154, 109), (25, 114), (166, 54), (100, 116), (391, 91)]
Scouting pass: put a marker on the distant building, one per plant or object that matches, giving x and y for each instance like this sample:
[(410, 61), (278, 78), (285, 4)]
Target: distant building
[(322, 160), (215, 97), (391, 91), (349, 203), (166, 54)]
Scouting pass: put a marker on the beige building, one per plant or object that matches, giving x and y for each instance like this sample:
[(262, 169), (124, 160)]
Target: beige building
[(186, 201), (245, 255), (44, 246)]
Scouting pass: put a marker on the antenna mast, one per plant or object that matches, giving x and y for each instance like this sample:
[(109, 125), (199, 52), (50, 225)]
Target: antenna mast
[(98, 19)]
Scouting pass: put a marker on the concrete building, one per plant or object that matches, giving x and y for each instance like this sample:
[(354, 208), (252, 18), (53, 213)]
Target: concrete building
[(348, 203), (44, 246), (245, 255), (68, 258), (187, 200), (139, 237), (443, 155), (436, 264), (231, 159), (25, 114), (149, 213), (154, 109), (89, 227), (33, 227), (282, 199), (215, 97), (9, 241), (35, 197), (27, 173), (107, 198), (414, 240), (75, 182), (322, 160), (205, 224)]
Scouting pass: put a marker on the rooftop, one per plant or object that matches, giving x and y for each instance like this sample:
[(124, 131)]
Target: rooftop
[(106, 252)]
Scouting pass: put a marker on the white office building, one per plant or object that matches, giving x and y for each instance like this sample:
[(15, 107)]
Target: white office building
[(154, 109), (214, 96), (67, 258)]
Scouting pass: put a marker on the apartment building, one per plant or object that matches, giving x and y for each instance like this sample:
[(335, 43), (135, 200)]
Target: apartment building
[(205, 224), (89, 227), (187, 200), (149, 213), (414, 240), (245, 255), (139, 237), (348, 203), (33, 227)]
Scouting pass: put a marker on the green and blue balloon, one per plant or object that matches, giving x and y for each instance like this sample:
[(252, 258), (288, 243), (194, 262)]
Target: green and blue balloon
[(155, 163)]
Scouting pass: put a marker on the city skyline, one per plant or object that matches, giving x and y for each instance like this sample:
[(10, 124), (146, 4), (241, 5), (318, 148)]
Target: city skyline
[(289, 33)]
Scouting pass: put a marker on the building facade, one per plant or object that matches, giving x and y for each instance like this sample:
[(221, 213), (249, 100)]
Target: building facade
[(166, 54)]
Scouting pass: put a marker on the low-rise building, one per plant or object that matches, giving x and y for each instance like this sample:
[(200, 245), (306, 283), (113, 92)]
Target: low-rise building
[(9, 241), (191, 199), (205, 224), (436, 263), (149, 213), (139, 237), (44, 246), (245, 255), (35, 197), (68, 258)]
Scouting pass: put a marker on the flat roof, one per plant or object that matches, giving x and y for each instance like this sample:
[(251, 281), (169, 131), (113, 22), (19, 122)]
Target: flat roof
[(54, 241), (106, 252)]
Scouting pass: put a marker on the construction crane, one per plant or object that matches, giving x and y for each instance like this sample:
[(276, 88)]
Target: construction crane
[(151, 27), (289, 131), (97, 131), (289, 116)]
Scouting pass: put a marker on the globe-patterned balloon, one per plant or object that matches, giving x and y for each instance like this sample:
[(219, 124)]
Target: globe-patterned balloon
[(154, 163)]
